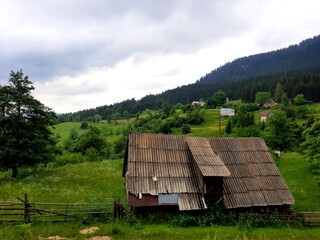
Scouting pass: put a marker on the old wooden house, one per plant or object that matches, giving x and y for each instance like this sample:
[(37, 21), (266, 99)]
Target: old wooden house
[(187, 173)]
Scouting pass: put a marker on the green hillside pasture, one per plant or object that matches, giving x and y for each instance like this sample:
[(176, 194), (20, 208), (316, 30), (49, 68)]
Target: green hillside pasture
[(210, 126), (111, 131), (94, 182), (297, 174), (63, 129), (315, 110)]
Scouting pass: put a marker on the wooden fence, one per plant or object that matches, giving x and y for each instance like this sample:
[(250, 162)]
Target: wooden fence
[(312, 219), (27, 212)]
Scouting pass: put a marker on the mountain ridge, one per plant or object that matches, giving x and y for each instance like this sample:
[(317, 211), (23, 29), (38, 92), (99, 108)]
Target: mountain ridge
[(303, 56)]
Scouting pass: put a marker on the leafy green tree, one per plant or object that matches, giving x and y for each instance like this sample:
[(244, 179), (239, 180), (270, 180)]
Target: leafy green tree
[(185, 129), (84, 125), (25, 135), (211, 102), (285, 100), (279, 132), (93, 138), (73, 135), (251, 131), (166, 109), (89, 119), (194, 117), (165, 128), (311, 147), (262, 97), (126, 115), (229, 127), (299, 99), (116, 116), (220, 98), (302, 112), (119, 147), (96, 118)]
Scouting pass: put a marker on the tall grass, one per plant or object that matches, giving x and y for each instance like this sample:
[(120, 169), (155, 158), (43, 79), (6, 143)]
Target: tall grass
[(210, 126), (90, 182), (298, 175), (155, 232)]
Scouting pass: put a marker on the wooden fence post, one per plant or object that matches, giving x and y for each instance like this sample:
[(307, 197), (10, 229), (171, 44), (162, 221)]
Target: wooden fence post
[(26, 209), (117, 210)]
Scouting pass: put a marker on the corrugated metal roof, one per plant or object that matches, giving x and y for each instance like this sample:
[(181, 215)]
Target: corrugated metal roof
[(163, 164), (208, 162)]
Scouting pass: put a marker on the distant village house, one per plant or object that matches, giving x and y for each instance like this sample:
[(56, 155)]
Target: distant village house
[(198, 103), (227, 112), (264, 115), (271, 103)]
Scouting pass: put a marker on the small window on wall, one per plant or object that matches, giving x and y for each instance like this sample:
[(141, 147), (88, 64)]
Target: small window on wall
[(168, 198)]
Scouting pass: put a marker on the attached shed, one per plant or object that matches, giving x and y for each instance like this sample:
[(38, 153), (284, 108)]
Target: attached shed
[(189, 172)]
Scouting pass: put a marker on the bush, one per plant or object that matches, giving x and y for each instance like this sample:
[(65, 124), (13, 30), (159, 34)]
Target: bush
[(68, 158), (185, 129), (84, 125)]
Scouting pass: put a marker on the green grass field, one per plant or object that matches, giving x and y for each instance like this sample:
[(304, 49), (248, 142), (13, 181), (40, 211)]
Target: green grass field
[(297, 174), (210, 126), (90, 182), (147, 231)]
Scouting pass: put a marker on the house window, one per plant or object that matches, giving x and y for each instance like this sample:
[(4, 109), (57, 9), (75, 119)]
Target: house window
[(168, 198)]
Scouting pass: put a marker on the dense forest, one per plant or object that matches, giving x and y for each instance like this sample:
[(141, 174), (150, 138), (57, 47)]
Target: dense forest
[(303, 57), (297, 68)]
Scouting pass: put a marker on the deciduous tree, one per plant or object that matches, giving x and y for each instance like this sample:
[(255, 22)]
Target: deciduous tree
[(279, 132), (25, 137)]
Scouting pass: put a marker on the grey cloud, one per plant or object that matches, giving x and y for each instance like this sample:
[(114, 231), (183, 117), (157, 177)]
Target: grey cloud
[(102, 33)]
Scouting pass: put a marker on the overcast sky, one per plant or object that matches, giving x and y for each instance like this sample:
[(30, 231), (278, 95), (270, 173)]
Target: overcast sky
[(82, 54)]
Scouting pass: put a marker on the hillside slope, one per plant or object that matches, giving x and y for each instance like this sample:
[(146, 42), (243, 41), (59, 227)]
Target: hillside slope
[(300, 57)]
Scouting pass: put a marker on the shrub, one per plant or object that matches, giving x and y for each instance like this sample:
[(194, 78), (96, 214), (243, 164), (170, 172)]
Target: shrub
[(185, 129), (68, 158)]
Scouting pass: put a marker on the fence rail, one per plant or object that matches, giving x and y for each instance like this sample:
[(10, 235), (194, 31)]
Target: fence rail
[(312, 219), (26, 211)]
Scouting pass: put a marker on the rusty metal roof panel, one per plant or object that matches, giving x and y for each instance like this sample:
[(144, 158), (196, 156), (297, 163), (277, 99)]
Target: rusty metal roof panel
[(286, 196), (208, 162), (258, 198)]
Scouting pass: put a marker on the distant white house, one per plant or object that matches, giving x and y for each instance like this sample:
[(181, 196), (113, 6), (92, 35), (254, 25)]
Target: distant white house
[(227, 112), (198, 103), (264, 115)]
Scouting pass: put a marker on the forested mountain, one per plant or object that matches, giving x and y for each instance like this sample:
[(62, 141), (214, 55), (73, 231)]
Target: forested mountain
[(301, 57), (297, 68)]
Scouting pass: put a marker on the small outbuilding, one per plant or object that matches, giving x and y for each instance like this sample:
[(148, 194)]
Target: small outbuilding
[(269, 104), (227, 112), (264, 115), (186, 173)]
